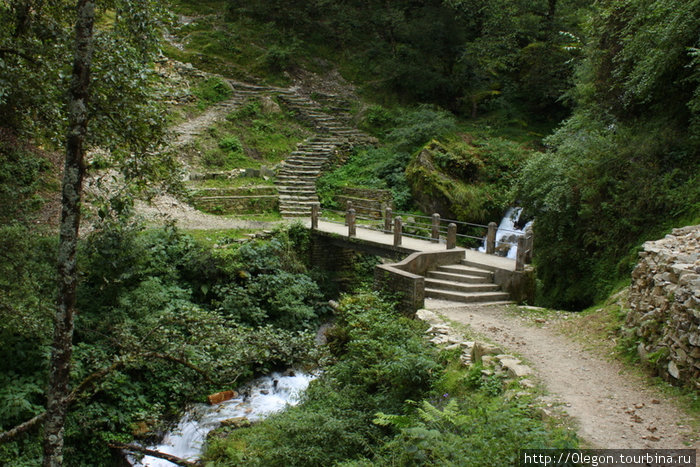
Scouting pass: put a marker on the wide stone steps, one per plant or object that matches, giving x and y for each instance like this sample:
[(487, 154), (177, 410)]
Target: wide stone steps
[(466, 270), (463, 283), (437, 284), (475, 297), (466, 279)]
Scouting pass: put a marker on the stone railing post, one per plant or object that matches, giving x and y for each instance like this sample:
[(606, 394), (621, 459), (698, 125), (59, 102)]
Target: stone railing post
[(451, 236), (491, 238), (315, 208), (352, 224), (530, 241), (387, 220), (347, 210), (435, 234), (520, 255), (398, 230)]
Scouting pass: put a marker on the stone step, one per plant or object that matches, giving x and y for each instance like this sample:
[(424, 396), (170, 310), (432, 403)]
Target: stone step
[(286, 179), (467, 297), (300, 163), (488, 267), (306, 160), (300, 170), (297, 197), (465, 270), (446, 276), (451, 286), (296, 183)]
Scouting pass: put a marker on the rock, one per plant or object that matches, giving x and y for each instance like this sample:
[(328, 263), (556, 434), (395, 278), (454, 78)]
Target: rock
[(268, 106), (481, 349), (673, 369), (220, 397), (515, 368), (236, 422)]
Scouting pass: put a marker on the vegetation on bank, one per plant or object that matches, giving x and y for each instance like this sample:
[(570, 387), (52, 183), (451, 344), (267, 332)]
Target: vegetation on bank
[(163, 321), (389, 398)]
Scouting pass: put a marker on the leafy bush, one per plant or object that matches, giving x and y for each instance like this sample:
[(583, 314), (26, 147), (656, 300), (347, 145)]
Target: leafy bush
[(607, 188), (381, 361), (212, 90), (231, 144)]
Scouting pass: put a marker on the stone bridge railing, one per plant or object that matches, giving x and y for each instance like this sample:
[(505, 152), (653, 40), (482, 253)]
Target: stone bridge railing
[(433, 229)]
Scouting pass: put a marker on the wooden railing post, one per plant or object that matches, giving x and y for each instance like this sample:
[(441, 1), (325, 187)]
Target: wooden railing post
[(398, 230), (451, 236), (387, 220), (520, 255), (352, 224), (315, 208), (435, 234), (491, 238)]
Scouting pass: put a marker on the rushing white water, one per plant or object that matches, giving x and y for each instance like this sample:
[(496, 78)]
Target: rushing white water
[(507, 234), (266, 396)]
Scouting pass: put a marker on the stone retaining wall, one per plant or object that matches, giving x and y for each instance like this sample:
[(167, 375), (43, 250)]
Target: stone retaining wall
[(665, 305)]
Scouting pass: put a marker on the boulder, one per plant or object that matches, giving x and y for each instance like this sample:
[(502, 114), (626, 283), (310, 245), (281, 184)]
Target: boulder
[(220, 397)]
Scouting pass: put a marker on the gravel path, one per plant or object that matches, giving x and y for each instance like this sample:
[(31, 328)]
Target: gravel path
[(613, 408)]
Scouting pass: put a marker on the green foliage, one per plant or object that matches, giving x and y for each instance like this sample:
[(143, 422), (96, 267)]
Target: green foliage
[(361, 411), (212, 90), (605, 190), (231, 143), (149, 310), (384, 167), (624, 168), (25, 172), (458, 54), (466, 178), (381, 361), (475, 431)]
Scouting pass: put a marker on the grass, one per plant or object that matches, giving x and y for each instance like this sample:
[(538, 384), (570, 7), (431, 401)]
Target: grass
[(213, 238), (230, 183), (265, 137)]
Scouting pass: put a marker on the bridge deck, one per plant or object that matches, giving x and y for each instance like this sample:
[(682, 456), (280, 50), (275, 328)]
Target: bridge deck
[(413, 244)]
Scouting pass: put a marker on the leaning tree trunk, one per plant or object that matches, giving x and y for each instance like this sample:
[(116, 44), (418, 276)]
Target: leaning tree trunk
[(62, 349)]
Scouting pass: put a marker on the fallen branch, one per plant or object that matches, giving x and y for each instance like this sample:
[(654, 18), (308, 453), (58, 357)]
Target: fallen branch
[(158, 454)]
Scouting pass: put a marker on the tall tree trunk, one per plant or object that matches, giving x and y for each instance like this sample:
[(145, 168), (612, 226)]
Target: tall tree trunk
[(62, 349)]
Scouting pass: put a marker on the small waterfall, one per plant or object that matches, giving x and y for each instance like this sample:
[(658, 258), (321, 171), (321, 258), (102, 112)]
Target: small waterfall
[(263, 397), (507, 234)]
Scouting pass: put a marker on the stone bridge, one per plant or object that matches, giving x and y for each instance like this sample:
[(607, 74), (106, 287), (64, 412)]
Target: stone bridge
[(425, 268)]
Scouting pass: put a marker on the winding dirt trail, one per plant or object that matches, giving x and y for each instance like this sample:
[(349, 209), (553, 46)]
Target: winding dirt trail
[(613, 408)]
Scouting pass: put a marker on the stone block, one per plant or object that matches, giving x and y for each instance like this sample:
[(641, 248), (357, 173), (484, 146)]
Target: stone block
[(480, 350)]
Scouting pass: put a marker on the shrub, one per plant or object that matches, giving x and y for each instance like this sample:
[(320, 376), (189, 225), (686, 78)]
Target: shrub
[(212, 90), (231, 144)]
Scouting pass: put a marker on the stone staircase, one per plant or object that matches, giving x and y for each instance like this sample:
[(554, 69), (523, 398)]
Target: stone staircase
[(465, 282), (296, 179)]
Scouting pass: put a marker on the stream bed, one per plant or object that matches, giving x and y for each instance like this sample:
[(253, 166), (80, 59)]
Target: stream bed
[(260, 398)]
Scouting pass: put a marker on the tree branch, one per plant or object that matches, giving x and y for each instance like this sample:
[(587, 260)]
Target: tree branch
[(19, 429), (158, 454), (91, 380), (189, 365), (9, 51)]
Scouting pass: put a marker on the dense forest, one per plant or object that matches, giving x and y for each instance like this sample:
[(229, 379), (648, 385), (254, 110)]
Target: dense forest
[(586, 114)]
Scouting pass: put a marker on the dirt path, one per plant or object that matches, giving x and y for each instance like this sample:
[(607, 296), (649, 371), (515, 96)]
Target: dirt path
[(166, 207), (613, 408)]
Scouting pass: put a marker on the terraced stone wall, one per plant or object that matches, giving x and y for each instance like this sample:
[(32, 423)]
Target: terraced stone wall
[(665, 305)]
